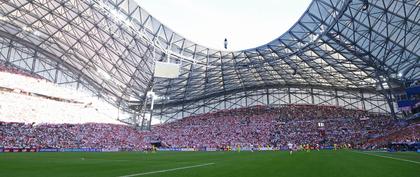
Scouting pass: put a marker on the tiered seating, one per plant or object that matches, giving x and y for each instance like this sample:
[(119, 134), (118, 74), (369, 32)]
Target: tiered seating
[(405, 135), (258, 126), (12, 70), (265, 126), (243, 127), (92, 135), (27, 98)]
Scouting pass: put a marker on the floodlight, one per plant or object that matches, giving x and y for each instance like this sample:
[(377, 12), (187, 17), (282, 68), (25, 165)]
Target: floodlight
[(3, 18)]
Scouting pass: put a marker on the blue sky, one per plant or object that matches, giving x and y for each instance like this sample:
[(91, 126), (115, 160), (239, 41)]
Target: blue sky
[(246, 23)]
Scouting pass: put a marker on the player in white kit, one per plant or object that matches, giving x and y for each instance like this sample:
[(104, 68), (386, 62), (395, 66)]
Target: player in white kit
[(290, 146)]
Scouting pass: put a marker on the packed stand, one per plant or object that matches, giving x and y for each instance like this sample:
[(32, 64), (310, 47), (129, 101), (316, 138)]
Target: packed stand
[(404, 136), (328, 126), (27, 98), (263, 126), (19, 107), (259, 126), (91, 135), (13, 70), (39, 86), (237, 127)]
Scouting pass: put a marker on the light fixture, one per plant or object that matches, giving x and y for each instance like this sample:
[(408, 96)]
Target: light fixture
[(365, 5), (37, 33), (25, 28), (104, 74), (3, 18)]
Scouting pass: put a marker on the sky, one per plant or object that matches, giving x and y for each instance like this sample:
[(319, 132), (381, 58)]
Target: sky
[(245, 23)]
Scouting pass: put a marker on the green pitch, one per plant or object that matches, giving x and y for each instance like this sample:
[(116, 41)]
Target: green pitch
[(211, 164)]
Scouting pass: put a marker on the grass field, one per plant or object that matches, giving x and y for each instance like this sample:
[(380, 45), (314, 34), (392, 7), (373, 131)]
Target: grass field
[(211, 164)]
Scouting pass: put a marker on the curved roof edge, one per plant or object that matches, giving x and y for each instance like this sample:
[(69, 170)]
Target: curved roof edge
[(169, 39)]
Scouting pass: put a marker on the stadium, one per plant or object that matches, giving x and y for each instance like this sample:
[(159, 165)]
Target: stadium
[(102, 88)]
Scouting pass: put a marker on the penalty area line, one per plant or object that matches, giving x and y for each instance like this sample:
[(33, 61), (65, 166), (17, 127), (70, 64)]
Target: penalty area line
[(168, 170), (388, 157)]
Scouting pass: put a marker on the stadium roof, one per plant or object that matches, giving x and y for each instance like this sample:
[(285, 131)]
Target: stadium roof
[(110, 47)]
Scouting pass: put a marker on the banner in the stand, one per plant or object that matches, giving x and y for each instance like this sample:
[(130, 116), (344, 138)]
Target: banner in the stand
[(18, 150), (110, 150), (211, 149), (187, 149), (327, 147), (29, 150), (245, 149), (169, 149), (176, 149), (217, 149), (48, 150), (266, 149), (80, 150)]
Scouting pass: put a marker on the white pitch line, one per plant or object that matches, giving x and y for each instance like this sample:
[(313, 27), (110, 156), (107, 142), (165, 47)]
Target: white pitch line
[(388, 157), (172, 169)]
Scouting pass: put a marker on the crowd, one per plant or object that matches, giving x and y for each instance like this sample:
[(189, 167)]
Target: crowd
[(405, 135), (90, 135), (14, 70), (20, 107), (328, 125), (21, 81), (330, 131), (275, 127), (27, 98), (311, 112), (237, 127), (258, 126)]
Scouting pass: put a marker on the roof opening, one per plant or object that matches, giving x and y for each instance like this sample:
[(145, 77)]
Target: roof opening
[(246, 24)]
